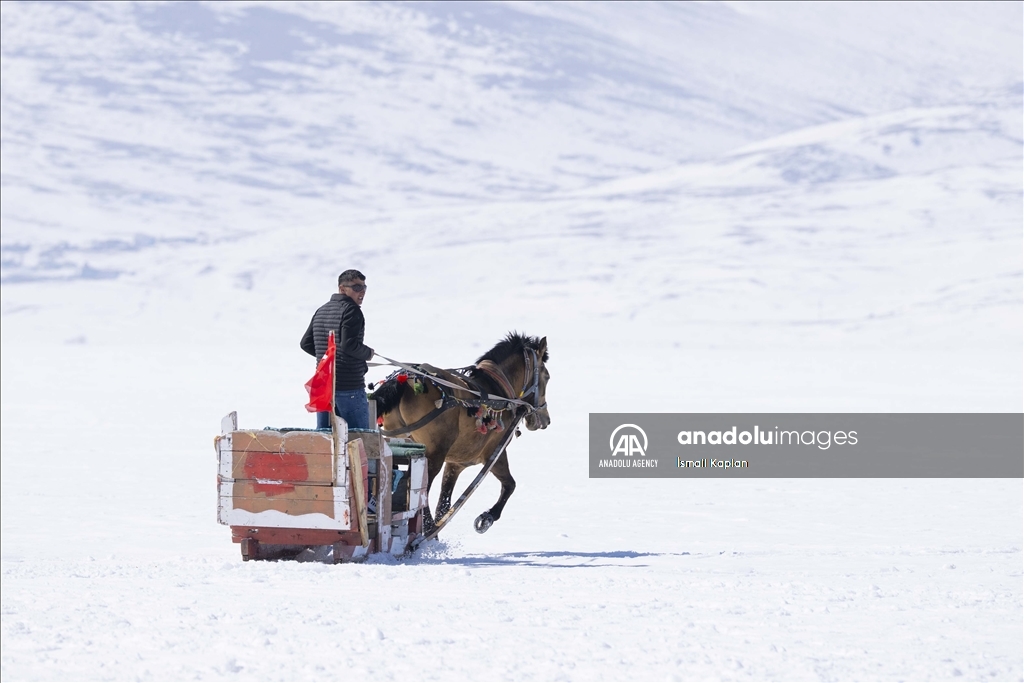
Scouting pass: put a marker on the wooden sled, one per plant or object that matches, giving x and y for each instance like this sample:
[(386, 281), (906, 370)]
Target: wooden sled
[(283, 491)]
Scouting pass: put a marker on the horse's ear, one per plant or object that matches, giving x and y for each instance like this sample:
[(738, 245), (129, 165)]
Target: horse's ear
[(542, 349)]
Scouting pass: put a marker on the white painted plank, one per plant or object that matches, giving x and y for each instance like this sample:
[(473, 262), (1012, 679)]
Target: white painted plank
[(229, 423), (341, 454), (224, 455), (273, 518), (418, 473), (223, 509), (340, 497), (418, 499)]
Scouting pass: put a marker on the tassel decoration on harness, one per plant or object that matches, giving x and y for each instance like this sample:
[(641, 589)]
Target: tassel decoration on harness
[(487, 419)]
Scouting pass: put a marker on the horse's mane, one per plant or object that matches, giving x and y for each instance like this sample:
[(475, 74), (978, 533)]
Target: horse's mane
[(513, 344), (389, 394)]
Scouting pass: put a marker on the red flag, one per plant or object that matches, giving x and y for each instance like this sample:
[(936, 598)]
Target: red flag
[(321, 385)]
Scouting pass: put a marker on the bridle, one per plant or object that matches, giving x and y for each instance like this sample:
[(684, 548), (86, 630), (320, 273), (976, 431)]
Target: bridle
[(531, 367), (534, 387)]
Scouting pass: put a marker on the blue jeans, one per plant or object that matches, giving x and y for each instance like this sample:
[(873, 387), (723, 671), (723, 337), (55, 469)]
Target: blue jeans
[(350, 405)]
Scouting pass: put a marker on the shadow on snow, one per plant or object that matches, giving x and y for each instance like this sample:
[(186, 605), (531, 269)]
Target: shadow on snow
[(551, 559)]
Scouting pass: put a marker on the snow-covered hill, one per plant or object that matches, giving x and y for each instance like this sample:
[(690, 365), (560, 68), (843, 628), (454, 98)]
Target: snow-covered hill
[(704, 206), (183, 120)]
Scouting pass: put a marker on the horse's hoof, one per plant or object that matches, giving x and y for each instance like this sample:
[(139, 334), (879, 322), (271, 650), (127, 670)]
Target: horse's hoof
[(483, 522)]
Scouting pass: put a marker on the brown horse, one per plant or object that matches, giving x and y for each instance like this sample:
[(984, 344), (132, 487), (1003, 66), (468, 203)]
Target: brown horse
[(465, 429)]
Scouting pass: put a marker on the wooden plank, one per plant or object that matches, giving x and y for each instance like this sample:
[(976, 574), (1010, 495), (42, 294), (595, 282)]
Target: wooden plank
[(249, 488), (311, 468), (250, 549), (339, 437), (306, 457), (357, 457), (224, 456), (307, 507), (284, 490), (417, 499), (295, 536), (232, 516), (371, 442), (418, 473), (267, 496), (224, 506), (267, 441), (384, 494)]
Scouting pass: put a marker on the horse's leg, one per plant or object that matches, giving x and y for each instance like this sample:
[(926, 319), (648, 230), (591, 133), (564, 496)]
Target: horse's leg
[(434, 465), (508, 485), (451, 475)]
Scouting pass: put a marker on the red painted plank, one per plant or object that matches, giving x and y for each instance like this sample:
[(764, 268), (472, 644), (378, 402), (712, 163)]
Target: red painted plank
[(295, 536), (284, 467)]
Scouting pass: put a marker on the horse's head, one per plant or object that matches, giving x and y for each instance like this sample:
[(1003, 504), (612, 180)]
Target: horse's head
[(521, 363), (539, 375)]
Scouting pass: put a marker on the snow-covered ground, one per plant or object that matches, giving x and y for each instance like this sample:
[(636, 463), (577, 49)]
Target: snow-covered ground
[(705, 207)]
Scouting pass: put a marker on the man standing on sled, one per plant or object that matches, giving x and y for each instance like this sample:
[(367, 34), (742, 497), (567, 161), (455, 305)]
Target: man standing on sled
[(343, 315)]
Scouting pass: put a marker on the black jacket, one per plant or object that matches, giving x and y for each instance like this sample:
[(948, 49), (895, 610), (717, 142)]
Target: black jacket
[(342, 315)]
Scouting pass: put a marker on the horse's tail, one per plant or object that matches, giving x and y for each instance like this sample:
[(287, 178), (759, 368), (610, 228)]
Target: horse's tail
[(388, 395)]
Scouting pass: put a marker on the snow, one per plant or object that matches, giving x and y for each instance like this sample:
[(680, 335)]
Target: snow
[(707, 207)]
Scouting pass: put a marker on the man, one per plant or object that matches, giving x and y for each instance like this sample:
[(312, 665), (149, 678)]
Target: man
[(343, 315)]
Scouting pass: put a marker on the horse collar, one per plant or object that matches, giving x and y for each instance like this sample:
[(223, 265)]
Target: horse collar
[(494, 372)]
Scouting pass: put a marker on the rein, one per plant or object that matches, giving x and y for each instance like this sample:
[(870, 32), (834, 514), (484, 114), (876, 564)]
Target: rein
[(484, 400), (534, 388)]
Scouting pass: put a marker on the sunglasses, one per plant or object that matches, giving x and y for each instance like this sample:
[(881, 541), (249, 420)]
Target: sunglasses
[(356, 288)]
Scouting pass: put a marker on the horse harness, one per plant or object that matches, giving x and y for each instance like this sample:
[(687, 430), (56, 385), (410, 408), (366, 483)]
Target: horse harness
[(487, 408)]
